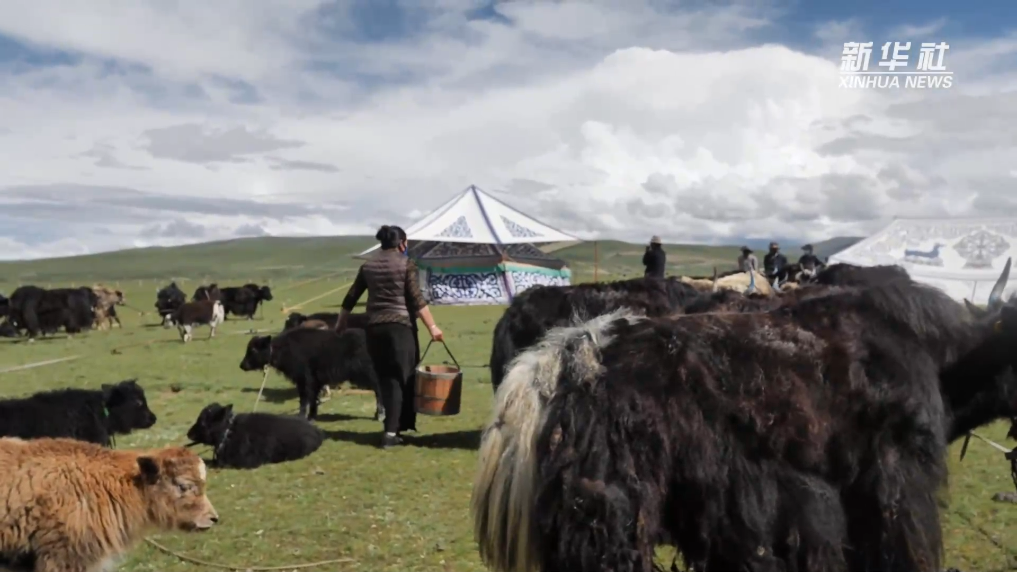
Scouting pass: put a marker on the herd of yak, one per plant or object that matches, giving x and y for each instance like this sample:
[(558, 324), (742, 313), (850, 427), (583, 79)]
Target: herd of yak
[(801, 431), (791, 429)]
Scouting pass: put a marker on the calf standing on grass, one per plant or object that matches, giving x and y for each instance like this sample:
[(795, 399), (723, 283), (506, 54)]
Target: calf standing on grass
[(93, 415), (210, 312), (249, 440), (313, 359)]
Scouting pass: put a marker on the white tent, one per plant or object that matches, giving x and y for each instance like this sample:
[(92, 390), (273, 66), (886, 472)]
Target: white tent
[(475, 249), (962, 257)]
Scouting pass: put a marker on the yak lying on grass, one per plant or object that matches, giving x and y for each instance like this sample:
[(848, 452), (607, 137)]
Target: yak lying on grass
[(70, 506), (713, 431), (249, 440), (541, 308), (93, 415), (312, 359)]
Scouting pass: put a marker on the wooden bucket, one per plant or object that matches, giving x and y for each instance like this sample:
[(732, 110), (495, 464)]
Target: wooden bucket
[(439, 387)]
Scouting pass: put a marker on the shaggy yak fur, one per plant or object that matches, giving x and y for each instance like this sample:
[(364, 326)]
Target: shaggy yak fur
[(168, 300), (107, 299), (70, 506), (312, 359), (541, 308), (358, 321), (850, 275), (245, 300), (210, 292), (809, 437), (38, 310), (250, 440), (93, 415)]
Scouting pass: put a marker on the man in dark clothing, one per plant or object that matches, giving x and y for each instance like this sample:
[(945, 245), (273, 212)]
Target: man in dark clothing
[(774, 261), (810, 264), (654, 259), (810, 259)]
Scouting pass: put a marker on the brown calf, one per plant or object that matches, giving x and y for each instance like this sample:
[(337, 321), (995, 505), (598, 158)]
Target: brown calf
[(74, 506)]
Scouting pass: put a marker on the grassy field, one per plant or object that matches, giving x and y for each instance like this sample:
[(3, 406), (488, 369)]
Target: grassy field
[(400, 510)]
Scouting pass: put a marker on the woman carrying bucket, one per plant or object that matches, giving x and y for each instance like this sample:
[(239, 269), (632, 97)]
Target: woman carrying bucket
[(390, 279)]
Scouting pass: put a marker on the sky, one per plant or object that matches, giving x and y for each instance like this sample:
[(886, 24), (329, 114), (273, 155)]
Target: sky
[(159, 123)]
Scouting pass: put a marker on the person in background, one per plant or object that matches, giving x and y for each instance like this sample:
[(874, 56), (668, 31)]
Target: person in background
[(654, 259), (390, 279), (774, 261), (810, 258), (748, 261)]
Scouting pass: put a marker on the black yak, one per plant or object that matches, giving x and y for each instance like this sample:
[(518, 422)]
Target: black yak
[(541, 308), (168, 300), (357, 321), (244, 300), (39, 310), (843, 274), (250, 440), (628, 430), (84, 414), (210, 292), (312, 359)]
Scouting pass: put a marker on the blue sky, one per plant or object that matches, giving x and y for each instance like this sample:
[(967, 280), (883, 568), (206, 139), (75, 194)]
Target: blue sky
[(140, 124)]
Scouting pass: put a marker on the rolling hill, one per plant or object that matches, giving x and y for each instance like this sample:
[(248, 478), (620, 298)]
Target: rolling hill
[(264, 259)]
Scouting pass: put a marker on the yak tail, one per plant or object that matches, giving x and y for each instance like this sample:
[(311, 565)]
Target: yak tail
[(505, 485), (502, 351)]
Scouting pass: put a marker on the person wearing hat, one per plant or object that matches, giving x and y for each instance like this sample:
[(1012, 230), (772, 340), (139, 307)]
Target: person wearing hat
[(747, 261), (654, 259), (810, 260), (774, 261)]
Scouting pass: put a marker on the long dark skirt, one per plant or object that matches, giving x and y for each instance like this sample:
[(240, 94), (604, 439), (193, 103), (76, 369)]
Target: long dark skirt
[(394, 349)]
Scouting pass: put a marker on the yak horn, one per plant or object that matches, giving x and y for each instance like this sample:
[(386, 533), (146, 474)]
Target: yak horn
[(996, 296), (714, 279)]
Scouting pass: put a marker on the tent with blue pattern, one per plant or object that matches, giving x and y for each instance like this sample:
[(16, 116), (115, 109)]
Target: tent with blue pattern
[(475, 249)]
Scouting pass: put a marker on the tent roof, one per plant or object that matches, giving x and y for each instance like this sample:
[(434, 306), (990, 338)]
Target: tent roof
[(966, 263), (475, 217)]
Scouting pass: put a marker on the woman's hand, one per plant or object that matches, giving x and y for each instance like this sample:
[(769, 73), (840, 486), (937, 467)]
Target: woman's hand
[(436, 333)]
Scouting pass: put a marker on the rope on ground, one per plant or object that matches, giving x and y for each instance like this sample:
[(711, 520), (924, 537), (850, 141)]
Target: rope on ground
[(318, 297), (301, 283), (117, 350), (198, 561), (38, 364)]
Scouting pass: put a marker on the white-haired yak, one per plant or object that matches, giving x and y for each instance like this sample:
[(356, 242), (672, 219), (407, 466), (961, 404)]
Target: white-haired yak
[(71, 506), (808, 437)]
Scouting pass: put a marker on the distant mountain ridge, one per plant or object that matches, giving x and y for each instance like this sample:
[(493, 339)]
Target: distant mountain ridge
[(267, 258)]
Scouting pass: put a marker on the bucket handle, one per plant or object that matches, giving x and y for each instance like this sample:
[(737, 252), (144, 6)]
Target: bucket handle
[(446, 349)]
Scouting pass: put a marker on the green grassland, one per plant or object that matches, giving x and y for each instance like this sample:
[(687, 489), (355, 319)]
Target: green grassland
[(401, 510)]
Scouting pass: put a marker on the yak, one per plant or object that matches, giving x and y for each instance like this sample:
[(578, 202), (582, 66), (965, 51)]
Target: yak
[(244, 300), (210, 292), (107, 299), (312, 359), (250, 440), (705, 429), (93, 415), (168, 300), (540, 308), (39, 310), (202, 312), (70, 506), (357, 321)]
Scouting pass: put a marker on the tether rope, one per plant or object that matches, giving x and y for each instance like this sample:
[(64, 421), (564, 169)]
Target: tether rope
[(200, 562)]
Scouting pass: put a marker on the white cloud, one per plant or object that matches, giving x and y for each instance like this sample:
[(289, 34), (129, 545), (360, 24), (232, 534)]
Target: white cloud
[(218, 119)]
